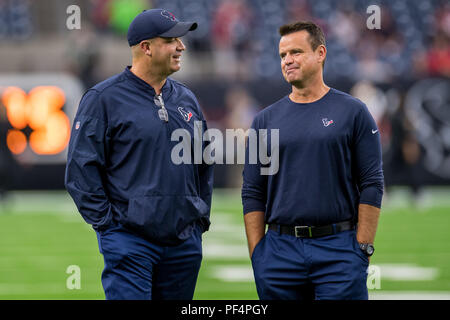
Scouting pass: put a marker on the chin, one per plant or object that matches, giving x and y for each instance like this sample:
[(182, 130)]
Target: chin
[(175, 68), (291, 77), (296, 82), (293, 80)]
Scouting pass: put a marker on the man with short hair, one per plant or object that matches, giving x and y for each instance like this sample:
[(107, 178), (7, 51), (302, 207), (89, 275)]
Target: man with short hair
[(149, 213), (323, 204)]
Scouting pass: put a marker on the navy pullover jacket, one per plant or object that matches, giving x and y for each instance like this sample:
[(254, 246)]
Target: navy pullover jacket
[(119, 166), (329, 162)]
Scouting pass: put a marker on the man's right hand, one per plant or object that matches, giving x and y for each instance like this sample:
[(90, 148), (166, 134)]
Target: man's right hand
[(254, 228)]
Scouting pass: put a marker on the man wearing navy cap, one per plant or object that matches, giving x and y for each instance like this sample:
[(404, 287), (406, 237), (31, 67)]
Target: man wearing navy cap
[(149, 213)]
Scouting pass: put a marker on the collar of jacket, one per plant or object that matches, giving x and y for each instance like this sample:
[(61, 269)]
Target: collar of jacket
[(141, 84)]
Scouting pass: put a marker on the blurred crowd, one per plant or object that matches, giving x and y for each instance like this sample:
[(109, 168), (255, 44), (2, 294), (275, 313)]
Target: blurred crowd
[(240, 39), (241, 35)]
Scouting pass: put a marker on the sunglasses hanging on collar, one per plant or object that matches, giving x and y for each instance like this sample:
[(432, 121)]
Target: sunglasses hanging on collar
[(162, 112)]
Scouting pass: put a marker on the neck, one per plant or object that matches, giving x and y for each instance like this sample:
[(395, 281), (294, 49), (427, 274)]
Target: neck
[(144, 71), (309, 92)]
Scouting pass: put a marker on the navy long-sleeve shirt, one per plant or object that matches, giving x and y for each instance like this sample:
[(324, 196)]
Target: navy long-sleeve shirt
[(119, 165), (329, 162)]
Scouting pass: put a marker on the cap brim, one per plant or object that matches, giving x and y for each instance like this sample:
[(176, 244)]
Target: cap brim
[(179, 30)]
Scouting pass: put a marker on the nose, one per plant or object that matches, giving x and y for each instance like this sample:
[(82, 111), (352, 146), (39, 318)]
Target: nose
[(180, 45), (288, 59)]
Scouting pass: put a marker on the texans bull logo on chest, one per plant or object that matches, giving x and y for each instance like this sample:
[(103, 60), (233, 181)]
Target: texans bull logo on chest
[(327, 122), (187, 115)]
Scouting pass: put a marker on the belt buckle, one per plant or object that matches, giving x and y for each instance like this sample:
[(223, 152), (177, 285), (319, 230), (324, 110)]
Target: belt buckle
[(298, 228)]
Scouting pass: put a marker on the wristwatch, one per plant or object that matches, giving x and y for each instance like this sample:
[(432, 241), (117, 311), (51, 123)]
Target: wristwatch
[(367, 248)]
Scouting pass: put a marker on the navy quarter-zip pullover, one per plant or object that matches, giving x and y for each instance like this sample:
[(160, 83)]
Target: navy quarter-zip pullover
[(329, 162), (119, 166)]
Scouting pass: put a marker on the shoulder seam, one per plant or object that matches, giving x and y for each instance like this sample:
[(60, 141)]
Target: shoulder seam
[(179, 82), (108, 86), (95, 101), (271, 105)]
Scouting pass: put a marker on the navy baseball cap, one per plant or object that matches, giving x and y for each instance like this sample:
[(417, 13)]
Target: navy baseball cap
[(157, 23)]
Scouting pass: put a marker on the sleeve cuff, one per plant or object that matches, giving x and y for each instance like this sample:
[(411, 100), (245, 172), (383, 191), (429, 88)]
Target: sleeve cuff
[(372, 196), (250, 205)]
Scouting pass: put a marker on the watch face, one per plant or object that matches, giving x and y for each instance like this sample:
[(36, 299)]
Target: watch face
[(367, 248)]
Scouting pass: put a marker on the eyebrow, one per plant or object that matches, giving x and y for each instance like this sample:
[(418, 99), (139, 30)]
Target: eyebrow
[(294, 50)]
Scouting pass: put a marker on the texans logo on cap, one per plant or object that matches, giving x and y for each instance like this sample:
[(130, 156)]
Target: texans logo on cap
[(168, 15)]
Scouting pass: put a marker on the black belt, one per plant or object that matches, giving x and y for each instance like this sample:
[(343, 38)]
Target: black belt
[(313, 232)]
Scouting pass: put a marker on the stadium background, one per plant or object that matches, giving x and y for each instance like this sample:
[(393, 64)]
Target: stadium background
[(400, 71)]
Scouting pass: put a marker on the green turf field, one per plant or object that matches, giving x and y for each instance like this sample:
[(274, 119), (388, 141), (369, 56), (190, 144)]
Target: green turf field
[(41, 235)]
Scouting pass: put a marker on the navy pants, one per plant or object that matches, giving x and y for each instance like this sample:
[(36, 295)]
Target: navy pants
[(136, 269), (329, 268)]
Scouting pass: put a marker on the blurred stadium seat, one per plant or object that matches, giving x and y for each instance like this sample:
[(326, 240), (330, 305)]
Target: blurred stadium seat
[(236, 44)]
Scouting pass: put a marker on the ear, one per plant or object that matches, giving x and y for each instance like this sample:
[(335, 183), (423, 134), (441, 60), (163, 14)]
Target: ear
[(322, 53), (145, 47)]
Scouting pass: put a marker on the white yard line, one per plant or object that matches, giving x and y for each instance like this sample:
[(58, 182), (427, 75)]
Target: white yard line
[(407, 272), (213, 250), (393, 272), (239, 273), (233, 273)]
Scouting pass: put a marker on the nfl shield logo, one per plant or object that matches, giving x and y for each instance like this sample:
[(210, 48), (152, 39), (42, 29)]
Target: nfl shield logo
[(77, 125)]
